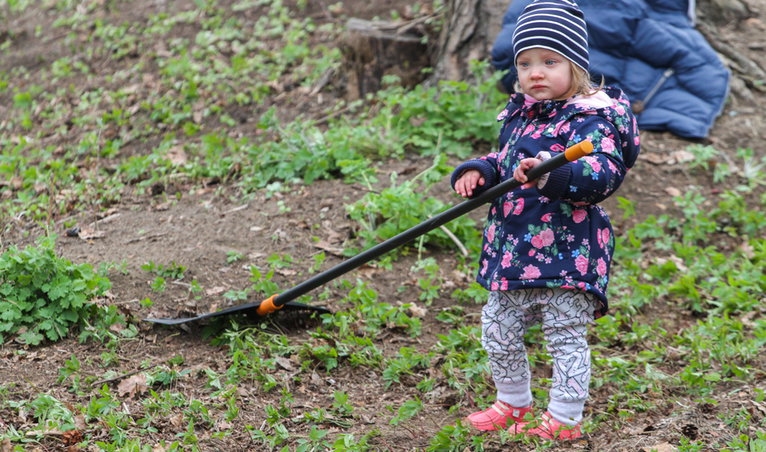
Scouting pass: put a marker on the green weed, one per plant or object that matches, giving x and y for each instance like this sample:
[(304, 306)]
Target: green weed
[(44, 295)]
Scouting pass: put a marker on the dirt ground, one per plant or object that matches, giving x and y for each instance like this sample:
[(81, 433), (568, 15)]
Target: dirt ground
[(199, 229)]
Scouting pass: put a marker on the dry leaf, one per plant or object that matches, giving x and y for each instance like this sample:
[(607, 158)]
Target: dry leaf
[(653, 157), (135, 384), (177, 155), (681, 156), (673, 191), (285, 364), (215, 290), (88, 234), (418, 311), (662, 447), (325, 246)]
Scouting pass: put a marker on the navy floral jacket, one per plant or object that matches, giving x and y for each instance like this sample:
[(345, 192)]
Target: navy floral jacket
[(556, 235)]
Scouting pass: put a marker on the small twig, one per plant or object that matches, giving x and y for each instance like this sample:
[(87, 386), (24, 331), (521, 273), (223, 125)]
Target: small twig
[(323, 80), (120, 377), (457, 241), (333, 114), (236, 209)]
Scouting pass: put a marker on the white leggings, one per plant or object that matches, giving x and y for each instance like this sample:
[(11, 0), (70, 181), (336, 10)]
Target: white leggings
[(565, 315)]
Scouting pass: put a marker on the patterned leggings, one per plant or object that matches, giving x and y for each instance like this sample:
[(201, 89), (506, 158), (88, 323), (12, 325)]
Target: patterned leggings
[(565, 315)]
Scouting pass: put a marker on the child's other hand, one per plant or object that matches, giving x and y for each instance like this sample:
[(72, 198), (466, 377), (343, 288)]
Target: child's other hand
[(520, 173), (467, 183)]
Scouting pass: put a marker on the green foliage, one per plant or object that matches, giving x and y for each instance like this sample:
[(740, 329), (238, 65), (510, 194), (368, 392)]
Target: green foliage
[(446, 118), (404, 205), (172, 270), (44, 295), (407, 362), (709, 263)]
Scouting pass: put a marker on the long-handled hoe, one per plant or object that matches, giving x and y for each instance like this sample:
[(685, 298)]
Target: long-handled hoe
[(284, 299)]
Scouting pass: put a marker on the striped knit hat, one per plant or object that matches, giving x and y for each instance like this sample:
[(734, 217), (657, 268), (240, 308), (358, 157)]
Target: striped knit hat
[(557, 25)]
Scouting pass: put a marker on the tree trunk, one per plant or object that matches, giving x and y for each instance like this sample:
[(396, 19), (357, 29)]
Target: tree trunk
[(468, 32)]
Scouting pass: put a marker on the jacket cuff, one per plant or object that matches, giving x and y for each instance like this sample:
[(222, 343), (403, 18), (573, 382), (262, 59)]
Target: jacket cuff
[(555, 185), (484, 167)]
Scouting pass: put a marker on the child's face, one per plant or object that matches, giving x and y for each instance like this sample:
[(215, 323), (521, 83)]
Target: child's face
[(544, 74)]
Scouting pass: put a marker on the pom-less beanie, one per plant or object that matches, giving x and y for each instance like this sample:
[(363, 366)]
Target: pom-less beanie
[(557, 25)]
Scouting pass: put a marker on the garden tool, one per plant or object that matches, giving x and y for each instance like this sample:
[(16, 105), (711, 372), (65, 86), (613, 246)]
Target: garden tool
[(285, 299)]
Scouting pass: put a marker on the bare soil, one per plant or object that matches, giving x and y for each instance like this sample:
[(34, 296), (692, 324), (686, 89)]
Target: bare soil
[(198, 229)]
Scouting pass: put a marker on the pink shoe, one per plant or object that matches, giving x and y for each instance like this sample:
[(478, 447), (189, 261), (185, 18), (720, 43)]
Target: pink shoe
[(547, 428), (497, 417)]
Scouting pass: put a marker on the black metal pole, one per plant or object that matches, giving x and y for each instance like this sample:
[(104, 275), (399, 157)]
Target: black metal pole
[(420, 229)]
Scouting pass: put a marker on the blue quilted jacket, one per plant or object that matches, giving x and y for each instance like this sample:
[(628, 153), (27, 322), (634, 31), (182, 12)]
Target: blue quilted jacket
[(557, 235), (649, 49)]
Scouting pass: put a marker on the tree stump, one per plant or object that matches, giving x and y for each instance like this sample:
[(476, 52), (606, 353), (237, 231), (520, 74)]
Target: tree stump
[(375, 49)]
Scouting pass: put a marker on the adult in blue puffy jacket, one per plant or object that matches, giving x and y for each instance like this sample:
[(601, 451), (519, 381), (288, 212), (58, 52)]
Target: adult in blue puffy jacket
[(649, 49), (547, 245)]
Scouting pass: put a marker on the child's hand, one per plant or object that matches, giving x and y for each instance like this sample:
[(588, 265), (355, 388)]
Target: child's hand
[(520, 173), (467, 183)]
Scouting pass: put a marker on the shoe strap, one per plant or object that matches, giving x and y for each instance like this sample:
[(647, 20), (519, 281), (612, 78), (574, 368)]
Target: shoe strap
[(501, 408)]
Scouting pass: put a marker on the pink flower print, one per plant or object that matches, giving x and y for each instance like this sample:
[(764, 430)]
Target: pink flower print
[(491, 233), (530, 272), (506, 262), (581, 263), (484, 266), (501, 155), (502, 115), (507, 208), (601, 267), (547, 236), (578, 215), (603, 237), (558, 148), (594, 163), (518, 206), (607, 145), (546, 218)]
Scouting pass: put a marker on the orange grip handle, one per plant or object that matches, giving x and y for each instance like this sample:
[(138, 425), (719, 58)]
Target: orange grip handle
[(578, 150), (268, 306)]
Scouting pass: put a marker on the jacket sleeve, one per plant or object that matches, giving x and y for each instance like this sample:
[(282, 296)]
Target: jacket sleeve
[(593, 178)]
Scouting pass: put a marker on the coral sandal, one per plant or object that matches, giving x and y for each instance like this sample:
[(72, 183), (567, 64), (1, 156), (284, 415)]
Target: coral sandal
[(547, 428), (497, 417)]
